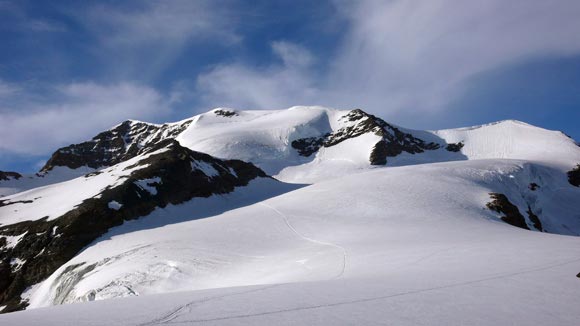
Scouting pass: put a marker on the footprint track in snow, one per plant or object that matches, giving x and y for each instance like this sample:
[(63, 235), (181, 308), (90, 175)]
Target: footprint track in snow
[(324, 243)]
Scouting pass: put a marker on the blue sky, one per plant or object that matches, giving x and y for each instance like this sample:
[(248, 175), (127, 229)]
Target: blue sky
[(69, 69)]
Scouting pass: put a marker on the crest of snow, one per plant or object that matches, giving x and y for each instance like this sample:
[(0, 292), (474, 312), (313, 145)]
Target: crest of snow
[(115, 205), (205, 168), (12, 241), (149, 185)]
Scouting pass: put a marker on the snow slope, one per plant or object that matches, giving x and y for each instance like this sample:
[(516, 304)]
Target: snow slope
[(408, 246), (513, 139), (264, 138)]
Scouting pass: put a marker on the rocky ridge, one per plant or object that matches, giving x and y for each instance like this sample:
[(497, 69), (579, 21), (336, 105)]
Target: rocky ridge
[(31, 250), (393, 142), (7, 175), (118, 144)]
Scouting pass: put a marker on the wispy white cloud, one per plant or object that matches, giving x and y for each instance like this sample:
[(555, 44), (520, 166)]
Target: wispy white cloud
[(140, 39), (8, 89), (37, 25), (135, 41), (419, 54), (23, 21), (403, 58), (75, 113), (292, 55), (167, 22), (278, 85)]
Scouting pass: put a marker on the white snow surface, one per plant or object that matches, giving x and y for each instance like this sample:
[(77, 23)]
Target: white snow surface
[(407, 244), (513, 139), (149, 185), (12, 241), (115, 205)]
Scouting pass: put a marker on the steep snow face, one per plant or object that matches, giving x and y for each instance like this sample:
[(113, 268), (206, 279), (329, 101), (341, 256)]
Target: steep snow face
[(514, 140), (428, 222)]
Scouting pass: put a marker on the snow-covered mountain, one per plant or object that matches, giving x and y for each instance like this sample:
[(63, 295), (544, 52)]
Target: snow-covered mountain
[(358, 213)]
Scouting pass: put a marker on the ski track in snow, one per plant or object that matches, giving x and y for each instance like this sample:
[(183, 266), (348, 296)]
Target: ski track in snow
[(344, 252), (377, 298), (181, 310), (187, 308)]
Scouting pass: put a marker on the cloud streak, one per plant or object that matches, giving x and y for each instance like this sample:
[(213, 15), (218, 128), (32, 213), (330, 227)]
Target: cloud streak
[(74, 114), (406, 59), (145, 37), (279, 85), (166, 22)]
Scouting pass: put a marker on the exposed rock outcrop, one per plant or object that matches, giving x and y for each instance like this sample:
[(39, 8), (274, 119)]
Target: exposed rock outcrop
[(6, 175), (358, 122), (110, 147), (225, 113), (574, 176), (511, 213), (454, 147)]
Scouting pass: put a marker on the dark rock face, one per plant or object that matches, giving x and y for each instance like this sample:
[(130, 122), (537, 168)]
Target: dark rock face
[(5, 175), (574, 176), (176, 175), (393, 141), (309, 146), (225, 113), (534, 219), (379, 153), (512, 215), (455, 147), (108, 148), (533, 186)]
